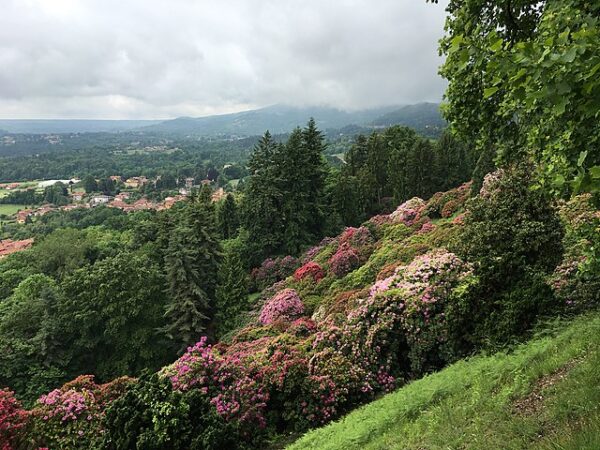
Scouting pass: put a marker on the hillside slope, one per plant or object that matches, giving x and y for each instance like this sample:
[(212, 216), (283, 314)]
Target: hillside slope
[(544, 395), (283, 119)]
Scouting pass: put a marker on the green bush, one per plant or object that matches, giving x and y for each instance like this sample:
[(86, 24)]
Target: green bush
[(151, 415), (513, 236)]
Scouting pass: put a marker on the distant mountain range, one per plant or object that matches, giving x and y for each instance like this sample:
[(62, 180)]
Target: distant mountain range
[(278, 119)]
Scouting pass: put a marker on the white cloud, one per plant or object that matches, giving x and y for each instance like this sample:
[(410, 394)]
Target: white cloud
[(165, 58)]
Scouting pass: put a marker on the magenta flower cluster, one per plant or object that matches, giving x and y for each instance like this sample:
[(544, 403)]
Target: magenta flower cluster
[(344, 260), (67, 405), (357, 237), (285, 305)]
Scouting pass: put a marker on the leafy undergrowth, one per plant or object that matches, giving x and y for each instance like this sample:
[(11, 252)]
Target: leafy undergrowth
[(544, 395)]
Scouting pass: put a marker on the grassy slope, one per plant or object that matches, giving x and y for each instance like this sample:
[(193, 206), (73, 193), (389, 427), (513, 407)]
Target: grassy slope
[(544, 395), (9, 210)]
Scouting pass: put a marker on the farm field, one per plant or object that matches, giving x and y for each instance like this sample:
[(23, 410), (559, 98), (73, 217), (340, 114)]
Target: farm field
[(9, 210)]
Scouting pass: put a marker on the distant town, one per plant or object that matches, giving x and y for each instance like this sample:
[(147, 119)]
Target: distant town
[(127, 197)]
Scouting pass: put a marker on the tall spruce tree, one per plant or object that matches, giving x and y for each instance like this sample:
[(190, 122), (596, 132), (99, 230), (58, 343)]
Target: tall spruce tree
[(232, 291), (227, 218), (188, 310), (421, 169), (191, 262), (261, 205)]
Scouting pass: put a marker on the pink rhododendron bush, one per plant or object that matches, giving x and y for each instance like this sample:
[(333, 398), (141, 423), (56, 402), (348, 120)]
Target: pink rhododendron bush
[(274, 269), (408, 212), (13, 419), (70, 417), (344, 261), (285, 305)]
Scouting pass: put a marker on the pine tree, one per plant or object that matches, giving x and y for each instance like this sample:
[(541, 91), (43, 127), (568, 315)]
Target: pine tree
[(314, 168), (189, 306), (227, 218), (421, 169), (192, 260), (261, 207), (232, 292)]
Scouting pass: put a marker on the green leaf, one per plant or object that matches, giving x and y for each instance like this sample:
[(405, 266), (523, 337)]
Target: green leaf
[(497, 46), (569, 57), (558, 181), (581, 159), (488, 92), (455, 43), (560, 105), (595, 172)]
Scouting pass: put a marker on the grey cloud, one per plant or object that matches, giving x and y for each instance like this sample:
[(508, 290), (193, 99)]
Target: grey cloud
[(165, 58)]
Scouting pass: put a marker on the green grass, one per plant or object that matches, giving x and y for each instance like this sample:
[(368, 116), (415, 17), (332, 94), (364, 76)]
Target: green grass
[(9, 210), (488, 402)]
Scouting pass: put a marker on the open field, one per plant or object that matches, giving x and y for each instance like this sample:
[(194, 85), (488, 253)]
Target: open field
[(545, 395), (9, 210)]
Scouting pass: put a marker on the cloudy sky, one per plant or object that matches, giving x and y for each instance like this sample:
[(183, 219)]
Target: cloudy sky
[(119, 59)]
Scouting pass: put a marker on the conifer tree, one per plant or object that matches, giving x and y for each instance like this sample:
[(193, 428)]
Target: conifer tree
[(191, 262), (232, 292), (261, 206), (227, 218)]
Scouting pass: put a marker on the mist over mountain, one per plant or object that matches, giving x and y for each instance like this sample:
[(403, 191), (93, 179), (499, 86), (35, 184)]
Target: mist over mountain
[(278, 119), (58, 126), (282, 119)]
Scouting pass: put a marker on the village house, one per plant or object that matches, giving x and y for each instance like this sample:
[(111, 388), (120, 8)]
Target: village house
[(136, 182), (23, 215), (189, 182), (44, 209), (118, 203), (218, 194), (99, 200), (77, 196), (9, 246), (10, 186)]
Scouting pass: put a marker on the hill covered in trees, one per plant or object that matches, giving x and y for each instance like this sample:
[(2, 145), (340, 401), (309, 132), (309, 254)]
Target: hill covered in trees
[(278, 119)]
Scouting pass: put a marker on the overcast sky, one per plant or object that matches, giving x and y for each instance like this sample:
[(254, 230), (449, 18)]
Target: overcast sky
[(119, 59)]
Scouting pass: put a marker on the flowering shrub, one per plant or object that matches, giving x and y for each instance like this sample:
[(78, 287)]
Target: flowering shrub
[(491, 183), (408, 212), (311, 253), (310, 269), (285, 305), (577, 290), (444, 204), (432, 287), (344, 261), (426, 228), (274, 269), (152, 415), (357, 237), (12, 420), (450, 208), (70, 417)]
